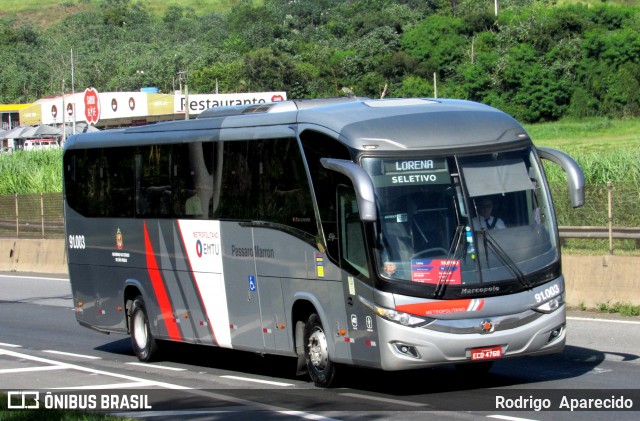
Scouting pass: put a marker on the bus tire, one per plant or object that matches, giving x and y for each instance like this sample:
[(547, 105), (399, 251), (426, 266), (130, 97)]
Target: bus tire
[(144, 344), (316, 353)]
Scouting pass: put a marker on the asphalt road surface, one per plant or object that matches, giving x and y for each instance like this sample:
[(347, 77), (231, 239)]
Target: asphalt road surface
[(43, 349)]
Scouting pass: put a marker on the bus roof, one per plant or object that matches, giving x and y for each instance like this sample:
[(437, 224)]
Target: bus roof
[(362, 123)]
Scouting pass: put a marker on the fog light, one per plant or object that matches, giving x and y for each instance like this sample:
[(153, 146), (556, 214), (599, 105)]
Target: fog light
[(408, 350), (555, 333)]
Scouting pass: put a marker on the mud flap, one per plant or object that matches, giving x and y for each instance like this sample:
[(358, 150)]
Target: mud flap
[(301, 370)]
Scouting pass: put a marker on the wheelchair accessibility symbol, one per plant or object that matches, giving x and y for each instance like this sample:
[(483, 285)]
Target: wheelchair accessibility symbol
[(252, 283)]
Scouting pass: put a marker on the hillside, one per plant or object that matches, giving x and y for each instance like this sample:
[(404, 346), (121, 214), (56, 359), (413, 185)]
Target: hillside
[(44, 13), (538, 60)]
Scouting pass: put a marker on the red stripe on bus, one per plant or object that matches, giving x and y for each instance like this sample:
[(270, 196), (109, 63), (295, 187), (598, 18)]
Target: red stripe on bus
[(439, 307), (159, 289)]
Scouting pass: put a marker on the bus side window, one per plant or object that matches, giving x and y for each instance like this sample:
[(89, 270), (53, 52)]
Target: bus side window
[(325, 182), (352, 244)]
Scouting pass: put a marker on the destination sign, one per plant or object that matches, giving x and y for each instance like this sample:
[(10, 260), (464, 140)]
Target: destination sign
[(413, 172), (413, 165)]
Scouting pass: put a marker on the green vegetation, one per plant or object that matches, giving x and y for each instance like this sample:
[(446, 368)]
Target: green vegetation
[(538, 60), (624, 309), (595, 134), (569, 69), (27, 172), (47, 13), (608, 150)]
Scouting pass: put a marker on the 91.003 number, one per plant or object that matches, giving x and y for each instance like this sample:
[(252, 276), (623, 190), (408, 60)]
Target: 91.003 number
[(548, 293)]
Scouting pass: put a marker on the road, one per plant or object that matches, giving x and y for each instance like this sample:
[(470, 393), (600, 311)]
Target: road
[(43, 348)]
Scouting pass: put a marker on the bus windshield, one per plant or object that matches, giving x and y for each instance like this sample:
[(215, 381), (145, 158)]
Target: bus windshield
[(462, 220)]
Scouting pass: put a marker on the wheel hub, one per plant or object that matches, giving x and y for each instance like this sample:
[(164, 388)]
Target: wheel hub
[(140, 330), (318, 353)]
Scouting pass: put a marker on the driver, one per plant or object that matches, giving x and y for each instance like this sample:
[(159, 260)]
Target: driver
[(487, 220)]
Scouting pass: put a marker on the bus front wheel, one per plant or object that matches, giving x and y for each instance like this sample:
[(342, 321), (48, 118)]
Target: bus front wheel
[(144, 344), (316, 352)]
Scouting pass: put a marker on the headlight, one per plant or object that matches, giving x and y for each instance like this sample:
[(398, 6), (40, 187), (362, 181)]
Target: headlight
[(394, 315), (551, 305)]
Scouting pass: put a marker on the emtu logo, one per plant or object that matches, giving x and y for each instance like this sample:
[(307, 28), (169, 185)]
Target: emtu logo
[(208, 249), (199, 248)]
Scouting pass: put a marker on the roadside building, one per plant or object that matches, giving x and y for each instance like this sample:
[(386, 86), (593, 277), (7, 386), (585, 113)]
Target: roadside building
[(107, 110)]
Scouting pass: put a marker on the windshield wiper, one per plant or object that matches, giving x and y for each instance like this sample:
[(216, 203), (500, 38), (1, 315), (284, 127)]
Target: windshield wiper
[(453, 250), (502, 256)]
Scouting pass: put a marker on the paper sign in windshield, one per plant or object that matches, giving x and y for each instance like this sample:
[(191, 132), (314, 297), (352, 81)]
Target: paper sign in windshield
[(432, 271)]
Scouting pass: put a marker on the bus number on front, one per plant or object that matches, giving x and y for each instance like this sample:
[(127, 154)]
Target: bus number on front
[(77, 242), (548, 293)]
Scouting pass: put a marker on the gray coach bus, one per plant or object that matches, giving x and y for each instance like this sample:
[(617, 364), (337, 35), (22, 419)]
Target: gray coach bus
[(335, 231)]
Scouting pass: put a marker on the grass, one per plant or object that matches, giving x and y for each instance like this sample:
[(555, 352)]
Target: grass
[(24, 172), (596, 2), (625, 309), (598, 246), (593, 135), (606, 149), (44, 13)]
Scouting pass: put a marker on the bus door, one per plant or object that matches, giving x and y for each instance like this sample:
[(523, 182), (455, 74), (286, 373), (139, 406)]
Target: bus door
[(242, 286), (361, 321), (279, 258)]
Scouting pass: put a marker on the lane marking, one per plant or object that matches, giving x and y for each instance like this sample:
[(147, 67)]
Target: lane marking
[(599, 370), (10, 345), (305, 415), (89, 370), (588, 319), (509, 418), (190, 412), (28, 369), (185, 389), (35, 277), (69, 354), (176, 414), (109, 386), (374, 398), (163, 367), (258, 405), (248, 379)]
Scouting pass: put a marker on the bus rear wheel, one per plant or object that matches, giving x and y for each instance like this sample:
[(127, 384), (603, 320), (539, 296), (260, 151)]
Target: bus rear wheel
[(316, 352), (144, 344)]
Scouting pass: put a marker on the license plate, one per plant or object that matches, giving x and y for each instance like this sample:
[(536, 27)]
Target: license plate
[(489, 353)]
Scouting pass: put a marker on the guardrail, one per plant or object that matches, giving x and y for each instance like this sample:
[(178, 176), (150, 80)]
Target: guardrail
[(41, 216), (34, 216), (618, 233)]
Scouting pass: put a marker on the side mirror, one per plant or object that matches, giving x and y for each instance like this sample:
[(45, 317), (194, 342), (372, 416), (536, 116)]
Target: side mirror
[(362, 184), (575, 176)]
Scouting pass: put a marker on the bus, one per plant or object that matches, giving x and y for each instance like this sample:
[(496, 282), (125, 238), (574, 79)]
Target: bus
[(338, 231)]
